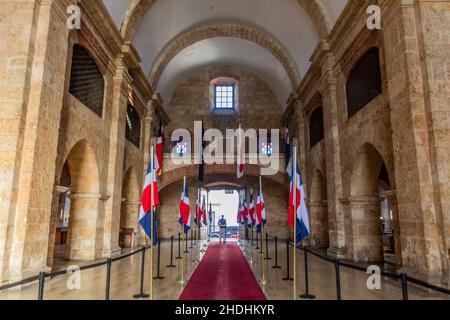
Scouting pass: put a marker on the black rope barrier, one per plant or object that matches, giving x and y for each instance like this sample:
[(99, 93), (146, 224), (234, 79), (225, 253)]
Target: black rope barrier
[(186, 243), (179, 247), (158, 264), (141, 294), (276, 266), (288, 268), (267, 248), (41, 286), (306, 295), (171, 265), (108, 278)]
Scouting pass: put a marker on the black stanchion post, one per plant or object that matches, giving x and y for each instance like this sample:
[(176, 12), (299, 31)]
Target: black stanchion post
[(306, 295), (108, 278), (257, 241), (141, 294), (261, 243), (288, 276), (179, 247), (276, 266), (186, 242), (267, 248), (41, 286), (192, 238), (338, 279), (158, 266), (404, 280), (171, 265)]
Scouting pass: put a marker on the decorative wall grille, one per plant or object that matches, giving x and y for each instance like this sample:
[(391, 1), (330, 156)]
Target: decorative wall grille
[(86, 80), (364, 83), (133, 127), (316, 128)]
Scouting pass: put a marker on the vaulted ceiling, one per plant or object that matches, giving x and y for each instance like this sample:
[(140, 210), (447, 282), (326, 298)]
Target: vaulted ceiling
[(274, 39)]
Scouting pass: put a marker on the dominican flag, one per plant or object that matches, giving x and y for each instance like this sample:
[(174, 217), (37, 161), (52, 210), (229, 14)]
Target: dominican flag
[(203, 214), (198, 216), (260, 212), (201, 167), (251, 212), (245, 212), (287, 152), (184, 213), (241, 154), (239, 214), (159, 147), (150, 185), (301, 211), (210, 213)]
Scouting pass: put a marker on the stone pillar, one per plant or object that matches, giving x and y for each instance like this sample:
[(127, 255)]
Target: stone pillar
[(333, 160), (84, 236), (148, 140), (121, 92), (391, 196), (32, 74), (129, 220), (420, 219), (367, 240), (319, 224)]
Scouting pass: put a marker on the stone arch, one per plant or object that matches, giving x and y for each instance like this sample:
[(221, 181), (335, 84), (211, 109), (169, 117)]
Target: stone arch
[(365, 201), (317, 203), (188, 38), (83, 239), (137, 10), (217, 173), (129, 213)]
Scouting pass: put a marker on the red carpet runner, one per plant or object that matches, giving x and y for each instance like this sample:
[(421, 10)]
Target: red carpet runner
[(223, 274)]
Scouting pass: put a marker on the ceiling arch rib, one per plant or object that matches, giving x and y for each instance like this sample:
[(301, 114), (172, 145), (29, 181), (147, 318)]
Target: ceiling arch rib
[(221, 52), (224, 30), (139, 8)]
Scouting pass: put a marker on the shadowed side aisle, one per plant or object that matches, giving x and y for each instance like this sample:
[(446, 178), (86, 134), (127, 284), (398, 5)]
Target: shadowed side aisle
[(223, 274)]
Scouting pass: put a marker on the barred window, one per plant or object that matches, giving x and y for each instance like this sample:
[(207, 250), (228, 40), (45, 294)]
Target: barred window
[(133, 127), (364, 83), (316, 133), (224, 96), (86, 80)]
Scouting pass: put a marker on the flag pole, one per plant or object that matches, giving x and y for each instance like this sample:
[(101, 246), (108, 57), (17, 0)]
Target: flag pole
[(262, 232), (152, 231), (182, 231), (294, 196), (251, 218)]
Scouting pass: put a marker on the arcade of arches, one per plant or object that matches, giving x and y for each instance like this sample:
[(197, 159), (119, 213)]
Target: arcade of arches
[(369, 110)]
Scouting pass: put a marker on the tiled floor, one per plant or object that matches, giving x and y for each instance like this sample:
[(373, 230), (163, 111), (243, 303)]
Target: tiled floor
[(125, 277)]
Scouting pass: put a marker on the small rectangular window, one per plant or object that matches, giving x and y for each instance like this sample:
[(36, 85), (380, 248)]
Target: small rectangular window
[(224, 97)]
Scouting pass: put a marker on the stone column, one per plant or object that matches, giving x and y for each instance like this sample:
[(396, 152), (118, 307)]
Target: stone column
[(84, 239), (129, 218), (391, 196), (121, 92), (332, 159), (33, 67), (366, 233), (319, 224), (148, 140), (419, 214)]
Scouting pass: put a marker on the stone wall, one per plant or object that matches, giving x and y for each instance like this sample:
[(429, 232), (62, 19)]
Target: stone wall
[(258, 107)]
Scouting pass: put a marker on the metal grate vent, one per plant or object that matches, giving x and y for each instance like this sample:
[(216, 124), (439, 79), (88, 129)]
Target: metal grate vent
[(364, 83), (316, 128), (133, 127), (86, 81)]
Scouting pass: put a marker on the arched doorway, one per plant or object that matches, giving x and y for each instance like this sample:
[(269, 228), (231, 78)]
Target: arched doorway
[(83, 234), (129, 213), (370, 210), (319, 212)]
